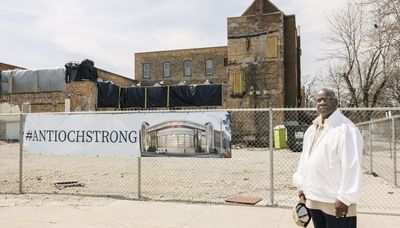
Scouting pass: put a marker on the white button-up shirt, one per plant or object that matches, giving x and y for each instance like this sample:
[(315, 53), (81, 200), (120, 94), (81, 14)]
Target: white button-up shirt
[(333, 169)]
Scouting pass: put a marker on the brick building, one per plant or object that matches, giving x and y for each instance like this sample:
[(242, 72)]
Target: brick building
[(73, 96), (45, 91), (4, 66), (260, 66)]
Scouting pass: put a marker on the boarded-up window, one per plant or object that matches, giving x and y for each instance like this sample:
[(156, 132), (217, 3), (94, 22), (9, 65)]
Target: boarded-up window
[(272, 47), (238, 83)]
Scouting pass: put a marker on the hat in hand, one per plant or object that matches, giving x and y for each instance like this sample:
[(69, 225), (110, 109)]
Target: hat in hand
[(301, 214)]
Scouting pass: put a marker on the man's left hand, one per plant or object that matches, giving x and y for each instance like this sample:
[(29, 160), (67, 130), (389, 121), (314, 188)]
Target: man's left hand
[(341, 209)]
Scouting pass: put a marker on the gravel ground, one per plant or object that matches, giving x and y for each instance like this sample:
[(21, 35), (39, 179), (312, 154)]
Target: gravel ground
[(247, 173)]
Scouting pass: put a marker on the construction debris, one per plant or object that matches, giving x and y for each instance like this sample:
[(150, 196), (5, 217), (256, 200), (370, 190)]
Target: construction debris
[(67, 184), (243, 200)]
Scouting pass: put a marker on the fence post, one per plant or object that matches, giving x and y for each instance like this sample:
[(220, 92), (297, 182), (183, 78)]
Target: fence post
[(21, 143), (391, 139), (370, 147), (139, 177), (394, 152), (271, 159)]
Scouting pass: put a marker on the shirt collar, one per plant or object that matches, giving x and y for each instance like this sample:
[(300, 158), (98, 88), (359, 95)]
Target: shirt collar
[(329, 121)]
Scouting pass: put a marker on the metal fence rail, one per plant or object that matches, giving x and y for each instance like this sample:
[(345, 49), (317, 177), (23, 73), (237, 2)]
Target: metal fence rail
[(266, 145)]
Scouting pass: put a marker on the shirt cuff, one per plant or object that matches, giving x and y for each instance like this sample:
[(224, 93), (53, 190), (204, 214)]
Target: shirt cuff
[(343, 200)]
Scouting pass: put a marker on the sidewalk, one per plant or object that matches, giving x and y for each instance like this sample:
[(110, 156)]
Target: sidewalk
[(42, 211)]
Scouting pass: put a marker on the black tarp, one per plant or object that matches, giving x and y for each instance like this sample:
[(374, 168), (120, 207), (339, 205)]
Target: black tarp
[(87, 70), (195, 95), (207, 95), (72, 72), (107, 95), (132, 97), (157, 97), (180, 96), (77, 72)]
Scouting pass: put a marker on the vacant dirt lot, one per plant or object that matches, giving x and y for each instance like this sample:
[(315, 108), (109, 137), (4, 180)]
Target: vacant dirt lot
[(247, 173)]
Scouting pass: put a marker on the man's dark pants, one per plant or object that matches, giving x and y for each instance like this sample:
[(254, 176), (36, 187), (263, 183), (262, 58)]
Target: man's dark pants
[(323, 220)]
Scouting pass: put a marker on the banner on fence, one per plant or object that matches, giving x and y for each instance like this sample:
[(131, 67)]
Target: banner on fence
[(89, 134), (202, 134)]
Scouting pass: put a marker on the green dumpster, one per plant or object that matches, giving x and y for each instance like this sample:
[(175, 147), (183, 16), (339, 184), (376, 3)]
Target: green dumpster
[(280, 137), (295, 135)]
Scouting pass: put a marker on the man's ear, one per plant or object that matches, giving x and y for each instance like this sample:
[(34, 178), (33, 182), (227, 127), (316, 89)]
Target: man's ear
[(336, 101)]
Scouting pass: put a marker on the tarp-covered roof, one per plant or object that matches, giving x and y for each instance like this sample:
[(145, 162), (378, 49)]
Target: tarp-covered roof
[(29, 81)]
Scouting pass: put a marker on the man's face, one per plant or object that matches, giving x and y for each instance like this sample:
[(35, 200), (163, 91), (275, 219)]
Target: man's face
[(326, 103)]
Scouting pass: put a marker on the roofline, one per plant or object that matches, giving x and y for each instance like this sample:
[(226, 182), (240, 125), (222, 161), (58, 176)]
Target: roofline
[(257, 15), (133, 80), (263, 0), (186, 49), (275, 6), (166, 123), (16, 67)]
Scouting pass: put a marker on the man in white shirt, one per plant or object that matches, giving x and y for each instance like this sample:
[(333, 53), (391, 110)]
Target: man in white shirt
[(329, 172)]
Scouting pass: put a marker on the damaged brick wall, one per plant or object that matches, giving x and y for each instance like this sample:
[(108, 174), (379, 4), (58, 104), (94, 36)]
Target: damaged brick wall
[(256, 47), (292, 84), (82, 95), (40, 102), (263, 73)]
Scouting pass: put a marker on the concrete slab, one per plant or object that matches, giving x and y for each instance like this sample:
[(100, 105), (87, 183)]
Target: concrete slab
[(43, 211)]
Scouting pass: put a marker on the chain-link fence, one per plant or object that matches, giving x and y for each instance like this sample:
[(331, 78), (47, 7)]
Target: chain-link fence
[(265, 150)]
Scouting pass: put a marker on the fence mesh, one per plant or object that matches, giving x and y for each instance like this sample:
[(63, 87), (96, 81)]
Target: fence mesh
[(9, 153), (257, 168), (214, 179)]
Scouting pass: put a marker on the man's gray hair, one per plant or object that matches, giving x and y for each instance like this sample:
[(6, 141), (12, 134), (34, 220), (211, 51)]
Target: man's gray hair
[(330, 92)]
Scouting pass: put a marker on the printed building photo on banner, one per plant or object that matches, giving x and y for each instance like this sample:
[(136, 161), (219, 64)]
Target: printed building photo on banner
[(196, 134)]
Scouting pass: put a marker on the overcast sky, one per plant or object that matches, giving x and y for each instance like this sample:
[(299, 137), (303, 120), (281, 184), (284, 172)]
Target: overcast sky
[(39, 34)]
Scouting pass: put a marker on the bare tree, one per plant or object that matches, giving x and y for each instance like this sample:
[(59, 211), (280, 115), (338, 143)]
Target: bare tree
[(392, 91), (310, 92), (335, 82), (326, 80), (361, 55), (387, 8), (387, 24)]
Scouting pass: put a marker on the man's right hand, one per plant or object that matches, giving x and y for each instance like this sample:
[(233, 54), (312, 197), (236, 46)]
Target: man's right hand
[(301, 194)]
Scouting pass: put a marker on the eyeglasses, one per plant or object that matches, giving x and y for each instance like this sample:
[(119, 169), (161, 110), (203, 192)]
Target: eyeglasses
[(325, 99)]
